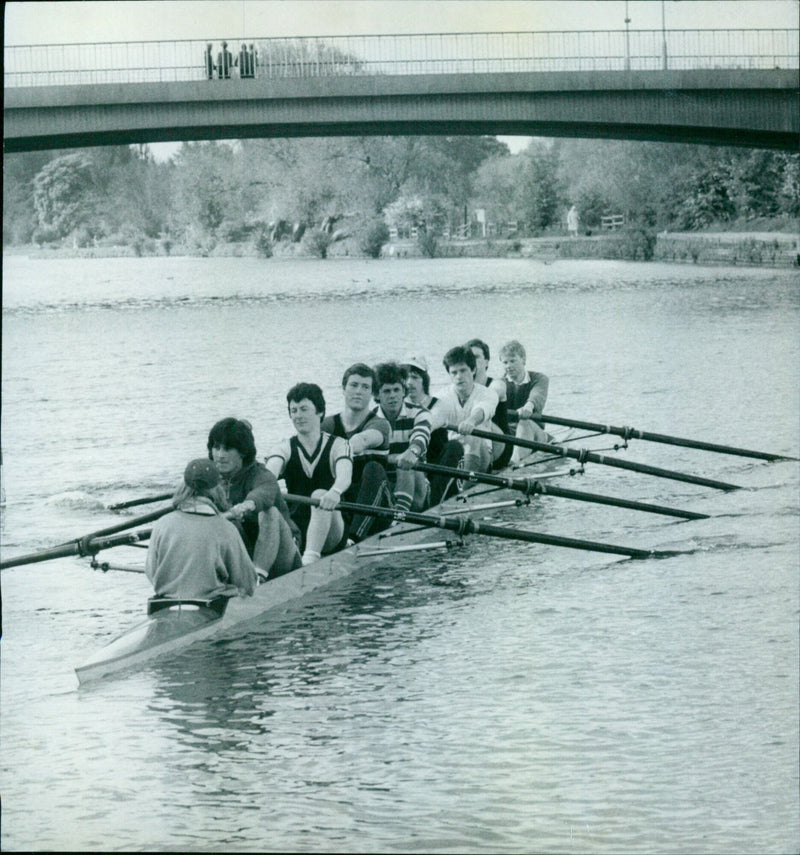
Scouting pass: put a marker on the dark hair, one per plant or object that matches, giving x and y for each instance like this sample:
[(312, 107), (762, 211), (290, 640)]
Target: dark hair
[(236, 434), (361, 370), (458, 355), (307, 391), (476, 342), (426, 378), (389, 373)]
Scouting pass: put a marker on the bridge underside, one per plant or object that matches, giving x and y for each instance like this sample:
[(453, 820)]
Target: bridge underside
[(747, 108)]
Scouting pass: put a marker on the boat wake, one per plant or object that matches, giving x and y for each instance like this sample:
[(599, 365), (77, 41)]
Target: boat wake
[(76, 500)]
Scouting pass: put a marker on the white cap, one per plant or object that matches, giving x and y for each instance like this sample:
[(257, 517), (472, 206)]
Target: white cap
[(417, 362)]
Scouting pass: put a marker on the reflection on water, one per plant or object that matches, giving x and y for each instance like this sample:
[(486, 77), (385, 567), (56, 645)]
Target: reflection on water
[(497, 698)]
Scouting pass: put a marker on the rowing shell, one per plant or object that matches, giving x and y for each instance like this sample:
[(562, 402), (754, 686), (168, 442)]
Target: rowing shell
[(172, 625)]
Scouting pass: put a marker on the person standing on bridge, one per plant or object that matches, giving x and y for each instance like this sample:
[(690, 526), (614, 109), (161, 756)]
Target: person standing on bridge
[(209, 62), (247, 62), (225, 62)]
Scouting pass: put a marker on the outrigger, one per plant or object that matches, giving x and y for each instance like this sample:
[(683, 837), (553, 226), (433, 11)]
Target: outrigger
[(172, 624)]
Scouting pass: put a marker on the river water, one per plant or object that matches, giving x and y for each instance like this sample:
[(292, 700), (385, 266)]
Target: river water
[(502, 698)]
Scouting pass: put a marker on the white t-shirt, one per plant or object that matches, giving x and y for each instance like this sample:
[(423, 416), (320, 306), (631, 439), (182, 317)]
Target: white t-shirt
[(448, 410)]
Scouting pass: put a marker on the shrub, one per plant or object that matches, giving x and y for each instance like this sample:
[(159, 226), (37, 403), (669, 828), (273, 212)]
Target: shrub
[(263, 242), (428, 244), (372, 240), (234, 231), (45, 234), (317, 242)]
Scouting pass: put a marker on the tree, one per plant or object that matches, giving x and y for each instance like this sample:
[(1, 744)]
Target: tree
[(495, 188), (374, 236), (204, 198), (65, 194), (19, 214), (538, 189)]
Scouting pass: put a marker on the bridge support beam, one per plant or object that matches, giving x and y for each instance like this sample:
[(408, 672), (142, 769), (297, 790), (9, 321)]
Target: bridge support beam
[(756, 108)]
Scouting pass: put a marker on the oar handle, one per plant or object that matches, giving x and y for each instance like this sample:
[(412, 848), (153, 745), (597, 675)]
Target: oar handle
[(583, 455), (465, 525), (635, 433)]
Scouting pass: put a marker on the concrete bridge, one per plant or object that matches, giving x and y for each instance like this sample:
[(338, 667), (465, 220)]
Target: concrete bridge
[(721, 87)]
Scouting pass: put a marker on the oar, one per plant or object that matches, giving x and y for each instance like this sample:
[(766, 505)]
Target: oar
[(131, 523), (583, 455), (465, 525), (533, 487), (634, 433), (148, 500), (81, 548)]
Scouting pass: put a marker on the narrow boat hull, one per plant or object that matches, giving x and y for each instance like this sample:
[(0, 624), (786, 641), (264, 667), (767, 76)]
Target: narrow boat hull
[(176, 627), (163, 632)]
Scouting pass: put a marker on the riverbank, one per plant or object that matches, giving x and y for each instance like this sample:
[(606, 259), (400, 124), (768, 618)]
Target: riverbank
[(764, 248)]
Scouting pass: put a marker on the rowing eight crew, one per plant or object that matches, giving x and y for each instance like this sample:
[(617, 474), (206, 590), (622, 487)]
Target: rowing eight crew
[(363, 454)]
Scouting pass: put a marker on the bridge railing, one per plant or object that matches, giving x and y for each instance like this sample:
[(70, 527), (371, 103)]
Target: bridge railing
[(445, 53)]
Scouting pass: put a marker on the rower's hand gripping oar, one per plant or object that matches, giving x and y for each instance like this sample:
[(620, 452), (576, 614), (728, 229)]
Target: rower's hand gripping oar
[(633, 433), (583, 455), (533, 487), (465, 525), (81, 547)]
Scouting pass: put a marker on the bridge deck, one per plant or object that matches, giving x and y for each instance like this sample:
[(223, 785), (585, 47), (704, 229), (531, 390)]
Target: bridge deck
[(332, 87)]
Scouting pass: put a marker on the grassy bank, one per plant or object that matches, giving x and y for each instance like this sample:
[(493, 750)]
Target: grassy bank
[(771, 249)]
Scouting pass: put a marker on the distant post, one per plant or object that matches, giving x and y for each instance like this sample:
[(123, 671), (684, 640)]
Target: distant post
[(627, 39)]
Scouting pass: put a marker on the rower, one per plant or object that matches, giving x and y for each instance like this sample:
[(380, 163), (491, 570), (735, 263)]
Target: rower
[(408, 441), (466, 405), (526, 395), (368, 435), (194, 552), (316, 464), (501, 451), (255, 503), (418, 385)]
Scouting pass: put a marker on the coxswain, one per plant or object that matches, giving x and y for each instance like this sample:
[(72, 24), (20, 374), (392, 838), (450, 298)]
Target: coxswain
[(194, 552)]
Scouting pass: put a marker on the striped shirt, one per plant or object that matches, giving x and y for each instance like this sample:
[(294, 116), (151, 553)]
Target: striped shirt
[(411, 427)]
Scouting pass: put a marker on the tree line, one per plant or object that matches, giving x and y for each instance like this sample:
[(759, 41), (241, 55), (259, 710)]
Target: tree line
[(267, 191)]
